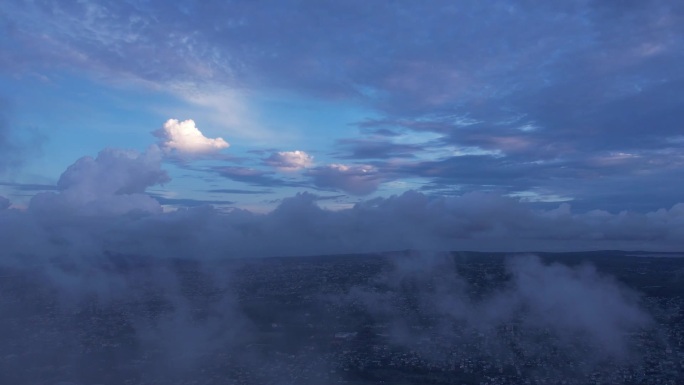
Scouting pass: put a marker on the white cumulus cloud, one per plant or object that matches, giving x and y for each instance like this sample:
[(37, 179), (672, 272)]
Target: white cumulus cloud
[(186, 139), (289, 160), (113, 183)]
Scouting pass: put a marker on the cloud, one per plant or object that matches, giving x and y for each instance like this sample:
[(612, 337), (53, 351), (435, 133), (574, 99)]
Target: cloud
[(289, 161), (576, 310), (28, 186), (600, 79), (113, 183), (101, 240), (254, 177), (352, 179), (378, 149), (4, 203), (101, 206), (188, 202), (577, 301), (10, 151), (92, 215), (183, 138), (474, 221), (239, 191)]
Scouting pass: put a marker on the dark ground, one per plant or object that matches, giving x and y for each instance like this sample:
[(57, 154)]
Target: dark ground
[(316, 320)]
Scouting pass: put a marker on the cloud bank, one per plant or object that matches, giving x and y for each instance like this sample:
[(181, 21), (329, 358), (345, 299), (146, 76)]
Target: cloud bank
[(101, 208)]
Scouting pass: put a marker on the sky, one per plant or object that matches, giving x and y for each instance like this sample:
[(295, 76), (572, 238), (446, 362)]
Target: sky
[(328, 126)]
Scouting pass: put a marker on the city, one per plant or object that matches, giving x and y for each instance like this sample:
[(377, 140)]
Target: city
[(326, 320)]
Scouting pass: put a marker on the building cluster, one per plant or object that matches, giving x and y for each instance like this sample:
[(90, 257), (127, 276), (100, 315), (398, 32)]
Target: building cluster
[(299, 321)]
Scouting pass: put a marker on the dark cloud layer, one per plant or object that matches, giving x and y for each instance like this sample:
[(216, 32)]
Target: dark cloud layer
[(377, 148), (353, 179), (187, 202), (10, 151)]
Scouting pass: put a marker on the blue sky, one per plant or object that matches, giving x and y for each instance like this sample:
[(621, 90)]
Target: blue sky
[(578, 102)]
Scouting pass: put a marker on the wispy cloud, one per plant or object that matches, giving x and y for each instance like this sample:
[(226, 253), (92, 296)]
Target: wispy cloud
[(238, 191), (255, 177), (356, 179), (29, 186), (289, 161), (378, 149), (189, 202)]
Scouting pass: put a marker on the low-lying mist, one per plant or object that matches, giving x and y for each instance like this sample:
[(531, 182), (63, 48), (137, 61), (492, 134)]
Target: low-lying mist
[(126, 319), (527, 310)]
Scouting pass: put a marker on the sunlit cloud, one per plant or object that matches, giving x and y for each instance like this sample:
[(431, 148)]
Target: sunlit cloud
[(184, 138)]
